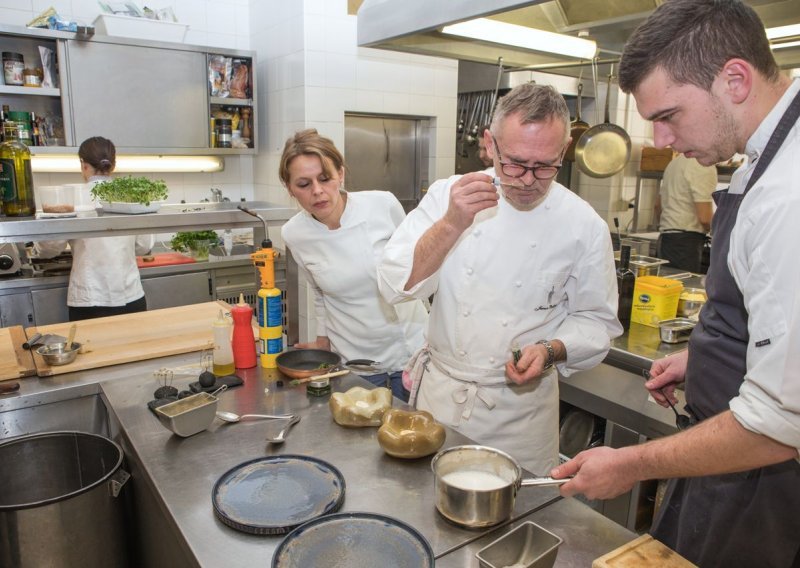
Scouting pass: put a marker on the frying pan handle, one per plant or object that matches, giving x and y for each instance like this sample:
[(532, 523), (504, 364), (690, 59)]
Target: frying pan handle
[(543, 481)]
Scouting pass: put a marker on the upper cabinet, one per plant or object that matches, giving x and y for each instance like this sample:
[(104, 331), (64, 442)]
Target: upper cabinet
[(148, 97)]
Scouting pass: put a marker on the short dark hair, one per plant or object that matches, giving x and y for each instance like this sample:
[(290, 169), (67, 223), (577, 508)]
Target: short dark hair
[(692, 39), (99, 153)]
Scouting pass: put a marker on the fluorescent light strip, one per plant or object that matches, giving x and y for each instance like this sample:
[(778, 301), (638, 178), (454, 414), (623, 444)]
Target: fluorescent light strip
[(783, 31), (521, 36), (132, 164), (783, 45)]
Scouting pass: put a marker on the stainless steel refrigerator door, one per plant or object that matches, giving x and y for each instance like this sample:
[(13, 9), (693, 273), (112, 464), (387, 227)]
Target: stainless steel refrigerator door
[(385, 153)]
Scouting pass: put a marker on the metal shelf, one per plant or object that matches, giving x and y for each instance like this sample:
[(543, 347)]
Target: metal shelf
[(36, 91)]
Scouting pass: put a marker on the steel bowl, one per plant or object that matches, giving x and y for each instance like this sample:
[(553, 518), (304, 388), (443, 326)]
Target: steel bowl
[(55, 354), (675, 330)]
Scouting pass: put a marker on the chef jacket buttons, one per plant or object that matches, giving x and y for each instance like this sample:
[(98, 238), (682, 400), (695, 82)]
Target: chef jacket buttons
[(470, 271), (476, 233), (533, 245), (462, 353), (518, 283), (504, 323), (465, 313), (491, 359)]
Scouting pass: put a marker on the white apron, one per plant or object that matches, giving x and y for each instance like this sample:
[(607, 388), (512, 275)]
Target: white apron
[(521, 420)]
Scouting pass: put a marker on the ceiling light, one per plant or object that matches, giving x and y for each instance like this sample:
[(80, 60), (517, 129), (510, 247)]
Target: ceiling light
[(525, 37), (132, 164), (785, 44), (783, 31)]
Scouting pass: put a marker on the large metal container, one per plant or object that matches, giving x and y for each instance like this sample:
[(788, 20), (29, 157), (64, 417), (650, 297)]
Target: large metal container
[(59, 501), (476, 486)]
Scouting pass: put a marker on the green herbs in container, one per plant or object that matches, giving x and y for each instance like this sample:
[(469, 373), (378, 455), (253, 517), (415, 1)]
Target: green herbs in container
[(130, 194), (196, 243)]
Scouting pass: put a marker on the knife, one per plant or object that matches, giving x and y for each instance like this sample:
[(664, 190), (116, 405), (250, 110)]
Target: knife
[(8, 388)]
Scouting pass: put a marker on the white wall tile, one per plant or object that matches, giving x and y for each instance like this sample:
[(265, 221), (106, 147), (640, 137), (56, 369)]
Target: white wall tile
[(316, 68), (341, 70), (21, 5), (13, 17)]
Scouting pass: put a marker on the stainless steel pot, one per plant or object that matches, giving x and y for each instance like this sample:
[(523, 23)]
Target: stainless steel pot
[(476, 486), (59, 501)]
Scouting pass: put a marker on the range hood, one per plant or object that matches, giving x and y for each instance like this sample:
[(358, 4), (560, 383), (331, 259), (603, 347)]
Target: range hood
[(415, 26)]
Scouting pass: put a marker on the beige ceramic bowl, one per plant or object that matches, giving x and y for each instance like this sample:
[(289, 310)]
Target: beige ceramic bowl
[(360, 407)]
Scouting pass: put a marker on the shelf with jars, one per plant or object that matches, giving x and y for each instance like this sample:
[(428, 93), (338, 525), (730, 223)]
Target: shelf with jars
[(232, 109)]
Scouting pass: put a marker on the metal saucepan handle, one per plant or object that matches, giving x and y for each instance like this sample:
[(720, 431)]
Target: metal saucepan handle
[(116, 482), (543, 481), (37, 337)]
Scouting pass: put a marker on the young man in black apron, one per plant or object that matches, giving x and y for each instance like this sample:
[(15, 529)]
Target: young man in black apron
[(703, 72)]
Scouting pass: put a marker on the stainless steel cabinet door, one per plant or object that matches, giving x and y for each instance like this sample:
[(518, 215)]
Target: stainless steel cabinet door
[(138, 97), (177, 290), (16, 309)]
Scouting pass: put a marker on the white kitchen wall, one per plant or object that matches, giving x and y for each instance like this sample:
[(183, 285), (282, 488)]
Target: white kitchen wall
[(311, 71), (214, 23)]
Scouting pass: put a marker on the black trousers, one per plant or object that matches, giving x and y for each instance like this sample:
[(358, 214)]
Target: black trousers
[(89, 312), (684, 250)]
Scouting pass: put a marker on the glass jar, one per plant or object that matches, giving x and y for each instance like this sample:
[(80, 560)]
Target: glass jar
[(224, 133), (32, 77), (13, 68)]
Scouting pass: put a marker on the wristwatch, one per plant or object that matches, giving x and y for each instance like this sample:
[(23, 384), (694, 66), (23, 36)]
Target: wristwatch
[(551, 353)]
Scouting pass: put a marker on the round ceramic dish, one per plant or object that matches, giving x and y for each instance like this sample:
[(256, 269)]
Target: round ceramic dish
[(273, 495), (345, 540)]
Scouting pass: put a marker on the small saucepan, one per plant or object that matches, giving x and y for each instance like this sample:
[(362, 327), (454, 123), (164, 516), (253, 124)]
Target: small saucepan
[(476, 486)]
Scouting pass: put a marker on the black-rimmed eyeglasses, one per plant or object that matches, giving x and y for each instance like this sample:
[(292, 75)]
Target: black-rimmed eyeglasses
[(512, 170)]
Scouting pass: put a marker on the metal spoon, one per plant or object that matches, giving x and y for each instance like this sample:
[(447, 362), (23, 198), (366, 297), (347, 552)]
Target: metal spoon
[(232, 417), (281, 437), (681, 420), (72, 329)]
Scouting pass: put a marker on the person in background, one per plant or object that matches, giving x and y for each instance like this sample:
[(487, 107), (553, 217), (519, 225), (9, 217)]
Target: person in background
[(684, 210), (104, 280), (337, 240), (734, 491), (523, 275), (483, 155)]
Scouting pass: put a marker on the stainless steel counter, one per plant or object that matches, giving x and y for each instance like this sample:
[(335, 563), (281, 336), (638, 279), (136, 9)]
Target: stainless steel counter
[(173, 477)]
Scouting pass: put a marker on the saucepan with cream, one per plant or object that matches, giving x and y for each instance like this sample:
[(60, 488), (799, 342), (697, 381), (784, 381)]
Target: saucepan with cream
[(476, 485)]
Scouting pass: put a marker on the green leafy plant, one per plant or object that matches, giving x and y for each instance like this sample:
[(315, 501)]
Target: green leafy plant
[(130, 190), (190, 240)]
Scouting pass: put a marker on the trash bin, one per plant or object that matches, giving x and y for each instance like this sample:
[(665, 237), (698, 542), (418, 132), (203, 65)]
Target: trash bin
[(60, 501)]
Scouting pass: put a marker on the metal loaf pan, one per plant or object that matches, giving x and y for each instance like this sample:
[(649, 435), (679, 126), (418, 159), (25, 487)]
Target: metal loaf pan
[(190, 415), (675, 330), (526, 546)]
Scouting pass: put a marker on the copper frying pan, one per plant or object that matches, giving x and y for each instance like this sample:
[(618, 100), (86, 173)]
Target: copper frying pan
[(577, 128)]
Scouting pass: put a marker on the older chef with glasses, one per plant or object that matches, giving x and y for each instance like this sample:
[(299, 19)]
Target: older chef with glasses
[(522, 274)]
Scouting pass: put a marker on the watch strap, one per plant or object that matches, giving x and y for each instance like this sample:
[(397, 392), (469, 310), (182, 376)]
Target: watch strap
[(551, 353)]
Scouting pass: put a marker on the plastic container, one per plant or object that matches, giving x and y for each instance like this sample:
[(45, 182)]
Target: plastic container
[(142, 28), (82, 195), (655, 299), (13, 68), (223, 351), (244, 345), (57, 198)]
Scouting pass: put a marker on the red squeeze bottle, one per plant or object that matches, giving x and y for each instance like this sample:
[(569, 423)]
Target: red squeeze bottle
[(243, 343)]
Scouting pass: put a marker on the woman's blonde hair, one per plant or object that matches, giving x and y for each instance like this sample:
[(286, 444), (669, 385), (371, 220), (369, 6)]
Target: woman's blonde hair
[(310, 143)]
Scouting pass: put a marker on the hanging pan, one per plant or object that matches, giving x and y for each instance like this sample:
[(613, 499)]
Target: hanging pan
[(577, 128), (605, 148)]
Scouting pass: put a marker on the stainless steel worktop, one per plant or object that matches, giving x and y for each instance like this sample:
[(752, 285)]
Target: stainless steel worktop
[(170, 218), (176, 475)]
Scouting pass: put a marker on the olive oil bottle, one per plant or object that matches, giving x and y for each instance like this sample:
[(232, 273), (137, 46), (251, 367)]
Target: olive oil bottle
[(16, 179)]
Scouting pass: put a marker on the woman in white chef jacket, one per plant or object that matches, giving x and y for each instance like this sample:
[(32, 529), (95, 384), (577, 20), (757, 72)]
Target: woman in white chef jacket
[(337, 240), (104, 280)]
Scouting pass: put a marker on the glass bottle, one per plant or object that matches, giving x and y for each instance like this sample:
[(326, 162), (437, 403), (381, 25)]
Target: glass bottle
[(16, 179), (626, 280), (223, 353)]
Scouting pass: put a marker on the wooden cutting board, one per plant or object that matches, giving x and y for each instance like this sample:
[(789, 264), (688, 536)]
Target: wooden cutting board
[(15, 362), (135, 337), (163, 259), (644, 552)]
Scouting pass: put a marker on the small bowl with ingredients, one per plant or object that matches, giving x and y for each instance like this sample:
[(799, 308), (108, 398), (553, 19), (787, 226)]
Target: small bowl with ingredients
[(691, 301)]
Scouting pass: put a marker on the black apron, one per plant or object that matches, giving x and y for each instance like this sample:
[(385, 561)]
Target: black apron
[(747, 519), (683, 249)]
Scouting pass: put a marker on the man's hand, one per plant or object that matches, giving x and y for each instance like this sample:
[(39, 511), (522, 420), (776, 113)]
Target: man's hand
[(472, 193), (531, 363), (322, 342), (666, 374), (599, 473)]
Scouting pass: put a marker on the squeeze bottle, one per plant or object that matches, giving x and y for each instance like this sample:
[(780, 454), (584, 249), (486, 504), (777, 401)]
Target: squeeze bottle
[(244, 343), (223, 354)]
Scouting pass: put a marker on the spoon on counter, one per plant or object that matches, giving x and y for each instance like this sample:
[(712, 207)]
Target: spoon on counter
[(232, 417), (72, 329), (281, 437)]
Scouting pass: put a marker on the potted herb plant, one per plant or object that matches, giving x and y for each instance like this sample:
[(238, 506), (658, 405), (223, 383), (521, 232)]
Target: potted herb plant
[(196, 243), (130, 194)]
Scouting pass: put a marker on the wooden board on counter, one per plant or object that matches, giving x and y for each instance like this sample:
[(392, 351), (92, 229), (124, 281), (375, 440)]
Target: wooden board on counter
[(15, 362), (643, 552), (135, 337)]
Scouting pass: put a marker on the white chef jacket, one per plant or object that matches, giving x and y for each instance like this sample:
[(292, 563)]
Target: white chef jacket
[(513, 276), (104, 271), (340, 266), (685, 183), (763, 261)]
